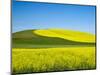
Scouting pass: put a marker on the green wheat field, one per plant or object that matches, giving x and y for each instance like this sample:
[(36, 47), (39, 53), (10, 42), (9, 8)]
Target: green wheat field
[(49, 50)]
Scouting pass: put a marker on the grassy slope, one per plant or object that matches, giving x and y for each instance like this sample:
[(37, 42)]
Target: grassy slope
[(29, 39)]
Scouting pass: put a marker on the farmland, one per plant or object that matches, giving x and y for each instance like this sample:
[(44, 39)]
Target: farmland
[(34, 51)]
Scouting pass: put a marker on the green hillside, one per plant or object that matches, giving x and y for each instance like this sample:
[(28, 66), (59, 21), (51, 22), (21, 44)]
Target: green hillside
[(29, 39)]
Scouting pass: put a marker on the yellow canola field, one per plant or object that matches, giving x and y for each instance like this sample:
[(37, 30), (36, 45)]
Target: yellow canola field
[(52, 59), (67, 34)]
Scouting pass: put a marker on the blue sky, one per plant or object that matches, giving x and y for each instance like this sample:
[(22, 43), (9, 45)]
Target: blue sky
[(34, 15)]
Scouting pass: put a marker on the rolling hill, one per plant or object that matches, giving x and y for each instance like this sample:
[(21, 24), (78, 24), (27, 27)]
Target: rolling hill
[(51, 38), (67, 34)]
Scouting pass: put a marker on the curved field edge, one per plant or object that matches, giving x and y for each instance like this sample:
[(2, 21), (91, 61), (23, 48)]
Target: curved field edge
[(67, 34), (52, 59), (29, 39)]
